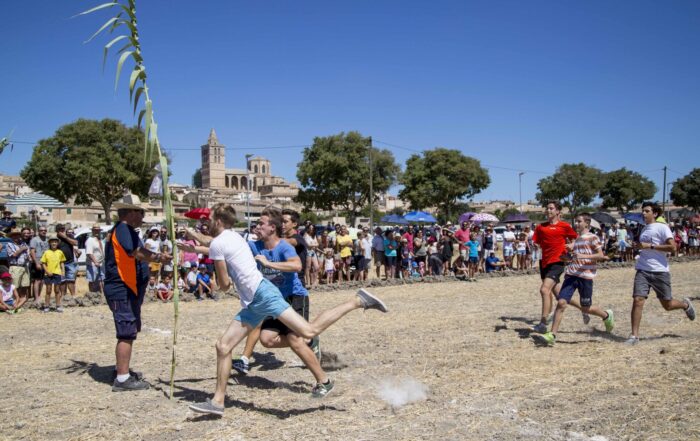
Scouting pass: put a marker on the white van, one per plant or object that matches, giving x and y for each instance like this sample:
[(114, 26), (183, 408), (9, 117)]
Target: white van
[(82, 235)]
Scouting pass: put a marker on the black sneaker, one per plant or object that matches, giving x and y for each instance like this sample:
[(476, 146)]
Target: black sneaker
[(139, 375), (690, 310), (132, 383)]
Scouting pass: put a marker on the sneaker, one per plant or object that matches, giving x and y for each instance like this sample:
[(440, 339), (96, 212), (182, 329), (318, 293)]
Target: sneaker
[(550, 318), (586, 318), (547, 339), (46, 309), (59, 309), (315, 345), (321, 390), (690, 310), (207, 407), (132, 383), (241, 366), (136, 374), (632, 340), (540, 328), (371, 302), (610, 321)]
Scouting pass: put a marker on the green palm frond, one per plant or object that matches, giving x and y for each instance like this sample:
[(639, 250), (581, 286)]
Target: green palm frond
[(125, 20)]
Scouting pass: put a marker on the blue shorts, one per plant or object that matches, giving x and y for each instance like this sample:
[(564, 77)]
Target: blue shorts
[(95, 273), (71, 269), (267, 302), (584, 287), (53, 280), (127, 316), (473, 259), (507, 252)]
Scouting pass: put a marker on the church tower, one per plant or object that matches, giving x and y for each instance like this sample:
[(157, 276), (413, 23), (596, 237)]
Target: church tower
[(213, 163)]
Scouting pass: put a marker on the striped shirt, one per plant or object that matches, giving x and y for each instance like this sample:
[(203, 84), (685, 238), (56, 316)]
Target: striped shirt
[(585, 268)]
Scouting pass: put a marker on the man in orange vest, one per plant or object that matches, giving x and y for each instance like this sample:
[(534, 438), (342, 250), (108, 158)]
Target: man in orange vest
[(126, 277)]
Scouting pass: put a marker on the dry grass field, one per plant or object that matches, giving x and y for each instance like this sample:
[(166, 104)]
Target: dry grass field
[(460, 351)]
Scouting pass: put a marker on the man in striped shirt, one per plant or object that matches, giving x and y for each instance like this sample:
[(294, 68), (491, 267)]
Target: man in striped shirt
[(579, 274)]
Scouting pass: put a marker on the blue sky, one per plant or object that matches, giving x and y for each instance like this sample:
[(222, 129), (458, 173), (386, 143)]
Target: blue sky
[(518, 85)]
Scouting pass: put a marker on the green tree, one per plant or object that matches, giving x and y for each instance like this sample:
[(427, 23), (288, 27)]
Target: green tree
[(573, 185), (686, 191), (197, 178), (624, 189), (334, 172), (441, 177), (91, 161)]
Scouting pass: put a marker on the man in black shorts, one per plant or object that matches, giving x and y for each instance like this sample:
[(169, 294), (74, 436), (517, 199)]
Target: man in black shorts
[(552, 236), (279, 263)]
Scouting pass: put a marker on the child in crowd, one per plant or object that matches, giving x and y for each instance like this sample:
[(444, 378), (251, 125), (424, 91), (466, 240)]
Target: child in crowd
[(53, 261), (152, 287), (10, 298), (192, 279), (406, 259), (473, 249), (329, 263), (203, 283), (580, 271), (165, 288), (182, 280)]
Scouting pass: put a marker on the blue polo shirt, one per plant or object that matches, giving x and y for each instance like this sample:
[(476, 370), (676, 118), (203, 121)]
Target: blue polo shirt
[(115, 287)]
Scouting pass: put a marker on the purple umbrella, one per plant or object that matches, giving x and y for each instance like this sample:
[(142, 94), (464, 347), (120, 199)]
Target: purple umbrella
[(483, 217), (464, 217)]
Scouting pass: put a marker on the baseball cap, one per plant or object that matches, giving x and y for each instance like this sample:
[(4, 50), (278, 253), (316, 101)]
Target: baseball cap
[(5, 276)]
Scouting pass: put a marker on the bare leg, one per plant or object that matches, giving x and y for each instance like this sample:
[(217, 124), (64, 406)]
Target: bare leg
[(546, 292), (272, 339), (123, 355), (307, 330), (636, 315), (251, 341), (233, 335)]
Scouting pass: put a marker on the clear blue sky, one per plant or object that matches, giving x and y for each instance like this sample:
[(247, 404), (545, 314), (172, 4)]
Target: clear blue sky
[(519, 85)]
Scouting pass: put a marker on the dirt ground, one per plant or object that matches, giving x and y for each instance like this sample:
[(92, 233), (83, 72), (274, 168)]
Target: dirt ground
[(459, 352)]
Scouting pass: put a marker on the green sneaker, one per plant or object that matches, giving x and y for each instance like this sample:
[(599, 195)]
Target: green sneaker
[(321, 389), (610, 321), (547, 339)]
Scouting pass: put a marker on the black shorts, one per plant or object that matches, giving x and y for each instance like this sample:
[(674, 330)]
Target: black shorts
[(127, 316), (552, 271), (300, 304), (36, 274)]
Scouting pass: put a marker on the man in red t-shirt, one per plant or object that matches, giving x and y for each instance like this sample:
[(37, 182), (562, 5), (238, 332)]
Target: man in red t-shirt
[(462, 235), (552, 237)]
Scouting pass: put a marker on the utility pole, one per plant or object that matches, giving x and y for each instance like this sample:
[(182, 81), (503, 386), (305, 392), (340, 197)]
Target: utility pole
[(663, 204), (247, 191), (371, 190), (520, 190)]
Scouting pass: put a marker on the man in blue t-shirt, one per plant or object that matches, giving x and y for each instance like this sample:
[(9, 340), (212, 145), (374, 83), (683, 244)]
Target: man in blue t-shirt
[(279, 263), (126, 277), (493, 263)]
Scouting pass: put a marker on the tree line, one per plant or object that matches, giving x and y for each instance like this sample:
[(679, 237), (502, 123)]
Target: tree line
[(100, 160)]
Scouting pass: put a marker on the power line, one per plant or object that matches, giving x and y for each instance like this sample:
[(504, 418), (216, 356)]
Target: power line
[(199, 148)]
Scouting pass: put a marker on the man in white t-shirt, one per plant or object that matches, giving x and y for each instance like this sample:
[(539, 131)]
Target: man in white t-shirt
[(655, 241), (94, 249), (260, 298)]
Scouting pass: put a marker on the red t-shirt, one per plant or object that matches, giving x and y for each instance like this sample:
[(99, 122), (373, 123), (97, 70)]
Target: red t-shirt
[(552, 239), (463, 237)]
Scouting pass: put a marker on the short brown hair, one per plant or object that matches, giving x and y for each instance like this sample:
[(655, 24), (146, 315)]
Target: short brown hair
[(275, 215), (225, 213), (586, 217), (293, 215), (555, 202)]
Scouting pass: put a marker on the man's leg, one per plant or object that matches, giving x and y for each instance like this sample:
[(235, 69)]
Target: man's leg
[(271, 338), (636, 315), (233, 335), (36, 286), (123, 355), (546, 292), (251, 341), (558, 315), (670, 305)]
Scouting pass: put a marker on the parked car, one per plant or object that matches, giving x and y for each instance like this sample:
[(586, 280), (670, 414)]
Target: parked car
[(499, 233)]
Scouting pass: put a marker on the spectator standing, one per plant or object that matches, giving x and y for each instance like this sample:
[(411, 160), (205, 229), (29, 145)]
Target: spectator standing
[(19, 260), (366, 254), (390, 248), (343, 246), (152, 244), (94, 251), (312, 264), (463, 236), (37, 246), (508, 243), (67, 244), (53, 261), (378, 251), (166, 247)]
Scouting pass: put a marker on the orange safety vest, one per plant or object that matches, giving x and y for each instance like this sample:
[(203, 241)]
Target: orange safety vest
[(126, 265)]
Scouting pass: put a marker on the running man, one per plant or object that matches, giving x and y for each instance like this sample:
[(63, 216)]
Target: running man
[(652, 268), (580, 272), (260, 299), (552, 237)]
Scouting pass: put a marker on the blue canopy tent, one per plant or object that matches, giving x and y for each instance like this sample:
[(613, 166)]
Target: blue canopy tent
[(393, 219), (634, 217), (419, 217)]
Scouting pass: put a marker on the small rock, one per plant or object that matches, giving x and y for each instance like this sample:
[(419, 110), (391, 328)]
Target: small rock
[(19, 425)]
